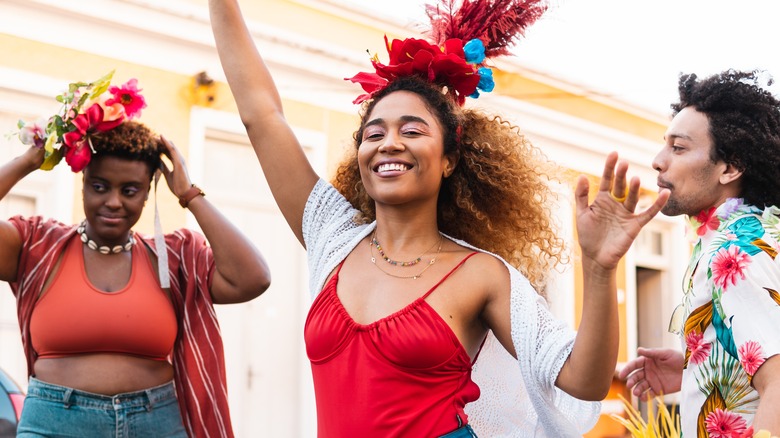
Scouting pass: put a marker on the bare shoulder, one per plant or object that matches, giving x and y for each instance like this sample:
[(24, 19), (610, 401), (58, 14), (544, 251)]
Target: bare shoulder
[(487, 263), (488, 271)]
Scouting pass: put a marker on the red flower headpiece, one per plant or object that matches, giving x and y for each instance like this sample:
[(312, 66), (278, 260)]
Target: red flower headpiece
[(488, 28), (86, 110)]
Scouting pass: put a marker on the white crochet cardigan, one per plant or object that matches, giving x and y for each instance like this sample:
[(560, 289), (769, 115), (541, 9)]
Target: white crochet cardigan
[(518, 397)]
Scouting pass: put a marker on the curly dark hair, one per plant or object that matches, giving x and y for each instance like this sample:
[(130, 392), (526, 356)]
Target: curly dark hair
[(744, 125), (498, 198), (132, 141)]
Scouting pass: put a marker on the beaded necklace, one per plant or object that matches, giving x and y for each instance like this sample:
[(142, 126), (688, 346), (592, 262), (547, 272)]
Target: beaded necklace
[(103, 249), (374, 243)]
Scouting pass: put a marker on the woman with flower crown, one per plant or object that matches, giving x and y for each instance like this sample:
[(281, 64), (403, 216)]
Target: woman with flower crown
[(425, 251), (120, 336)]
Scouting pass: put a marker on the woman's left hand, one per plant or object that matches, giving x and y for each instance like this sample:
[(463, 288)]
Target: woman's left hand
[(177, 178), (607, 227)]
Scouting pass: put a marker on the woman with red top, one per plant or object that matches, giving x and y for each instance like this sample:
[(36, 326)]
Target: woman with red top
[(416, 312), (119, 330)]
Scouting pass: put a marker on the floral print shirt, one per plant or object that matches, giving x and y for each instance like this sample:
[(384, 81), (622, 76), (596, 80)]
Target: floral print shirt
[(730, 316)]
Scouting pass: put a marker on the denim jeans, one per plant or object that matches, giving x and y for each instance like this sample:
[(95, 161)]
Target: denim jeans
[(58, 411), (461, 432)]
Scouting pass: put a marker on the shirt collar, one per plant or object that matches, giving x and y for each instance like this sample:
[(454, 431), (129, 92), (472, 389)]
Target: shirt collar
[(714, 219)]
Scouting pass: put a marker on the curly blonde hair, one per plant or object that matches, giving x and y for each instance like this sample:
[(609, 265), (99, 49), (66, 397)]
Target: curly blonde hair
[(498, 198)]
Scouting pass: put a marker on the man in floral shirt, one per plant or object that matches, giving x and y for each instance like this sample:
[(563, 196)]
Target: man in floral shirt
[(721, 162)]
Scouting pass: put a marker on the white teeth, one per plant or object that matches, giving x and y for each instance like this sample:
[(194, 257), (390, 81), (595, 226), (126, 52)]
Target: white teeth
[(391, 167)]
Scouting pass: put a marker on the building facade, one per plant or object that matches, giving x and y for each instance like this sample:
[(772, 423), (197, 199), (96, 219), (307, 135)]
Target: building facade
[(310, 47)]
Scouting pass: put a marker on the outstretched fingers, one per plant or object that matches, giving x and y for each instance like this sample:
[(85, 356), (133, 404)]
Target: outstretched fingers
[(608, 176), (581, 193), (632, 197), (614, 182), (649, 213)]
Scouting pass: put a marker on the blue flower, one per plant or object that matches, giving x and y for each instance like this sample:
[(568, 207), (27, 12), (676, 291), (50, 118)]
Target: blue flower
[(486, 82), (475, 51)]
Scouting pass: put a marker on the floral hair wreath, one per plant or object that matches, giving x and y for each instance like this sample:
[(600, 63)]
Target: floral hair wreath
[(87, 109), (465, 36)]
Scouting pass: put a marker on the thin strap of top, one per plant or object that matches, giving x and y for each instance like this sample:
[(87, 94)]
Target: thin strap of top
[(448, 274), (482, 344)]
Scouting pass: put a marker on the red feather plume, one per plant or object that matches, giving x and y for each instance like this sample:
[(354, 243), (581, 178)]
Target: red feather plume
[(498, 23)]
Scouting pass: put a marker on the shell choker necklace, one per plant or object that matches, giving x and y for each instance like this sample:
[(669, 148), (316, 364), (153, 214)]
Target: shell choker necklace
[(103, 249)]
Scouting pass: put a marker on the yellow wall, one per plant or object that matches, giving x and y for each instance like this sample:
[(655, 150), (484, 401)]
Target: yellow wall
[(574, 104), (167, 112), (313, 23), (169, 100)]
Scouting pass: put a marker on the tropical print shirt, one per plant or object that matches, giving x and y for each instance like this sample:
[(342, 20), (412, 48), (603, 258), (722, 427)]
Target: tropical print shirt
[(730, 316)]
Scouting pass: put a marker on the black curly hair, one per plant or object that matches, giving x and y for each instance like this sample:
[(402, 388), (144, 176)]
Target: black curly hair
[(744, 122), (131, 141)]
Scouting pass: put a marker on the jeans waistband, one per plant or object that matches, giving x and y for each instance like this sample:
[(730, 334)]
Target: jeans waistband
[(70, 396)]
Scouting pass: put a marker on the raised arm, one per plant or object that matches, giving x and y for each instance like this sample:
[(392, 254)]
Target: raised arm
[(10, 242), (606, 229), (289, 174), (241, 271)]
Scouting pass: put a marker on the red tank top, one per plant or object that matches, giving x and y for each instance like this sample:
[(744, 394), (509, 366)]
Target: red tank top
[(73, 317), (404, 375)]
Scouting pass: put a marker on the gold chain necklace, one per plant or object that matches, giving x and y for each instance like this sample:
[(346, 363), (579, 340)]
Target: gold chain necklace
[(395, 262), (415, 276)]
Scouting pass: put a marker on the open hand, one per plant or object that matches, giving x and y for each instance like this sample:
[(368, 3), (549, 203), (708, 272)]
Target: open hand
[(607, 227)]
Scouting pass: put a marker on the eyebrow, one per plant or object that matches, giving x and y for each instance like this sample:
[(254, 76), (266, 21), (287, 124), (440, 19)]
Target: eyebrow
[(404, 119), (104, 180), (677, 135)]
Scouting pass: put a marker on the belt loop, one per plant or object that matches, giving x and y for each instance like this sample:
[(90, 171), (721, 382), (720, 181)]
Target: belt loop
[(66, 397), (149, 400)]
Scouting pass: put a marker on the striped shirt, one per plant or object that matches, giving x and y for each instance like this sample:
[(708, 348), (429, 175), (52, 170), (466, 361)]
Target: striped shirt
[(198, 359)]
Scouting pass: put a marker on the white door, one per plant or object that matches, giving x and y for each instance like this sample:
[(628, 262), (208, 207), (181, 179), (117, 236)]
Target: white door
[(269, 378)]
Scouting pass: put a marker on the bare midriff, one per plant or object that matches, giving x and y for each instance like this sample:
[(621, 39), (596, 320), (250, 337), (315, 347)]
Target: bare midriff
[(103, 373)]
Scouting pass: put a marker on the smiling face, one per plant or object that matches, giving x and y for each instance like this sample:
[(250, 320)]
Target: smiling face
[(685, 167), (401, 152), (115, 191)]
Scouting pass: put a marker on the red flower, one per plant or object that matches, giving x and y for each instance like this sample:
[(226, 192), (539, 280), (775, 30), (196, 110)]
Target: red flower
[(79, 155), (752, 356), (445, 66), (78, 152), (403, 52), (129, 96), (724, 424), (453, 72), (708, 221)]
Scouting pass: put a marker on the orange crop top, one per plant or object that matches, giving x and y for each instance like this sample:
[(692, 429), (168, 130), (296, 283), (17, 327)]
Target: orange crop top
[(73, 317)]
